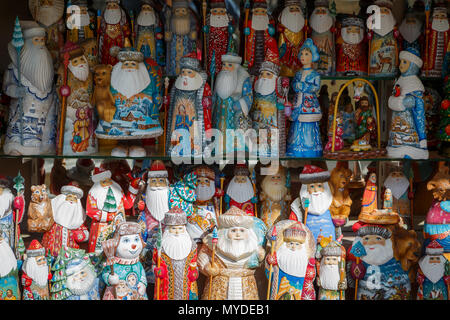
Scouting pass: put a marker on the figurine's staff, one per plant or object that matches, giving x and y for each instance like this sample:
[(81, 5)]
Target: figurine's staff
[(99, 25), (222, 180), (166, 110), (65, 92), (214, 240), (133, 34), (247, 11), (342, 272), (212, 69), (306, 206), (427, 21), (158, 262), (204, 7), (109, 248), (18, 185), (358, 251), (17, 42), (273, 239), (254, 190)]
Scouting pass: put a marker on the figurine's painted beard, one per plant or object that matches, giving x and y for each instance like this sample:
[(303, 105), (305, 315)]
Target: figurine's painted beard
[(275, 192), (48, 15), (146, 18), (219, 20), (226, 83), (205, 192), (265, 86), (67, 214), (398, 185), (387, 23), (433, 271), (237, 249), (352, 38), (379, 254), (319, 202), (240, 192), (181, 25), (294, 21), (177, 247), (260, 22), (189, 84), (6, 199), (81, 71), (157, 201), (321, 22), (80, 287), (440, 25), (410, 31), (129, 82), (38, 273), (112, 16), (7, 257), (329, 276), (293, 262)]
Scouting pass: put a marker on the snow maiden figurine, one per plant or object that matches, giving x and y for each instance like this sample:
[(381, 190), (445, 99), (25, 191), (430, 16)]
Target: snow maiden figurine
[(304, 135), (407, 137)]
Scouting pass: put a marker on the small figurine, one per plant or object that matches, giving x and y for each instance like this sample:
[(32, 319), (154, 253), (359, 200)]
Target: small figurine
[(125, 277), (340, 206), (180, 34), (36, 273), (240, 192), (230, 260), (348, 122), (78, 21), (290, 266), (304, 135), (339, 134), (40, 215), (321, 22), (177, 268), (387, 200), (314, 201), (399, 185), (365, 121), (432, 277), (351, 47), (369, 200), (411, 31), (291, 35), (9, 271), (408, 137)]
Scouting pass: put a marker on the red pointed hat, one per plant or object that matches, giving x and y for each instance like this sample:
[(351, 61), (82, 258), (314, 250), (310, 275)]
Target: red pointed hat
[(434, 249), (35, 249), (73, 188), (313, 174), (100, 174), (217, 4), (158, 170)]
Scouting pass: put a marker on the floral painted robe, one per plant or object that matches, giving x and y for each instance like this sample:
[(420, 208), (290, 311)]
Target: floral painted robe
[(182, 194), (33, 291), (11, 282), (154, 47), (428, 290), (217, 44), (289, 44), (59, 236), (437, 224)]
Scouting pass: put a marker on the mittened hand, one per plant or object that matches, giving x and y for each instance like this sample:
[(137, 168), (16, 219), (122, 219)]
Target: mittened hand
[(213, 269), (160, 272), (206, 29), (271, 259), (423, 143), (271, 30), (230, 28), (342, 285), (113, 279), (141, 205)]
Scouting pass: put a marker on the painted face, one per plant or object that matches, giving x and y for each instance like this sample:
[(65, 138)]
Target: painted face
[(330, 260), (177, 230), (82, 114), (130, 246), (105, 183), (130, 65), (276, 179), (237, 233), (240, 179), (371, 240), (228, 66), (78, 60), (80, 276), (353, 29), (218, 11), (315, 187), (132, 279), (112, 5), (40, 261), (71, 198), (181, 12), (39, 41), (203, 181), (404, 65), (439, 15), (146, 8), (373, 178), (306, 57), (44, 3), (188, 73), (266, 75), (294, 9), (397, 174), (384, 10), (320, 10), (294, 245), (157, 182), (434, 259), (259, 12)]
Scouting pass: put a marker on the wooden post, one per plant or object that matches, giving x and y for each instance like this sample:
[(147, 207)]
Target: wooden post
[(272, 250), (65, 92), (222, 179)]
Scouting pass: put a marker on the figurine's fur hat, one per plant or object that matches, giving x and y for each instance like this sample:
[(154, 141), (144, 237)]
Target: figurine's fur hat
[(260, 4), (190, 62), (434, 249), (412, 55), (175, 217), (35, 249), (241, 170), (157, 170), (232, 58), (235, 217), (180, 4), (126, 54), (31, 29), (374, 230), (206, 172), (271, 67), (332, 249), (72, 188), (217, 4), (321, 3), (76, 265), (353, 21), (127, 228), (294, 233)]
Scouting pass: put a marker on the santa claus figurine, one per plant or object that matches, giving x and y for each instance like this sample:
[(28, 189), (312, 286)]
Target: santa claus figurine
[(411, 31), (314, 202), (240, 192), (36, 275), (398, 183), (292, 261), (78, 22), (432, 276), (351, 47), (68, 230), (177, 269), (9, 271)]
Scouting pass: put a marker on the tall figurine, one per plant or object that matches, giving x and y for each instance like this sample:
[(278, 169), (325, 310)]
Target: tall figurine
[(78, 22), (291, 30), (323, 33), (190, 110), (398, 183), (149, 33), (340, 206), (369, 200), (79, 138), (383, 45), (177, 270), (180, 34), (49, 15), (259, 33), (432, 277), (304, 134), (240, 192), (9, 271), (351, 47), (40, 215), (365, 120), (411, 31), (218, 32), (230, 263), (233, 97), (408, 137), (275, 197), (314, 201), (437, 39), (291, 265), (36, 273), (125, 278), (113, 31), (32, 113)]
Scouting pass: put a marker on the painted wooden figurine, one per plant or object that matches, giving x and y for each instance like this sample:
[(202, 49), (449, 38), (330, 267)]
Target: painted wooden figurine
[(9, 271), (407, 137), (78, 22), (240, 192), (365, 121), (290, 266), (351, 47), (36, 273), (411, 31), (230, 260), (304, 134), (340, 206), (399, 185), (40, 215), (183, 194), (177, 268)]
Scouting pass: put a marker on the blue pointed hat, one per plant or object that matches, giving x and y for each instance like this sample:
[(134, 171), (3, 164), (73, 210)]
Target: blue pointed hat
[(309, 44), (412, 54)]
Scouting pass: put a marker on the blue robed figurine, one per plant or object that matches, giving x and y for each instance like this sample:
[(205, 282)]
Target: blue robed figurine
[(304, 135)]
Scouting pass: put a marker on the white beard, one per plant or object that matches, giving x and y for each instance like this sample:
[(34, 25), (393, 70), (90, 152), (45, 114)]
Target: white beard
[(433, 271), (237, 249), (321, 23), (157, 201), (99, 193), (294, 21), (48, 15), (81, 72), (352, 38), (226, 83), (265, 86), (440, 25), (387, 24), (273, 191), (85, 20), (189, 84), (112, 16), (205, 192), (219, 21), (398, 186), (176, 247), (293, 262), (181, 25), (410, 32), (260, 22), (67, 214), (329, 276), (7, 258), (6, 199), (129, 82), (146, 18), (240, 192), (82, 287), (39, 274), (319, 202), (379, 254)]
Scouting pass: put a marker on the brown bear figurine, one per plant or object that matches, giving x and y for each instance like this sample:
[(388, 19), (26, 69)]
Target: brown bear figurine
[(102, 98), (40, 214)]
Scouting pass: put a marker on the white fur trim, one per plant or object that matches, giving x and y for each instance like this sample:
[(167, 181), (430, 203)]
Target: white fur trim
[(396, 103), (409, 84), (158, 174), (72, 190), (244, 106), (295, 207), (101, 176), (242, 75), (312, 117), (406, 55), (434, 251), (231, 59), (132, 190), (104, 216), (401, 152)]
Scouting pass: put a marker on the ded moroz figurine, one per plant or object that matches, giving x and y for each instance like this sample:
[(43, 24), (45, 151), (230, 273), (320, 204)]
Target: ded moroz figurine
[(240, 192), (183, 193), (398, 183), (36, 273), (290, 266), (9, 271), (177, 271), (32, 113), (351, 47), (78, 22), (230, 262), (407, 136), (411, 31)]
